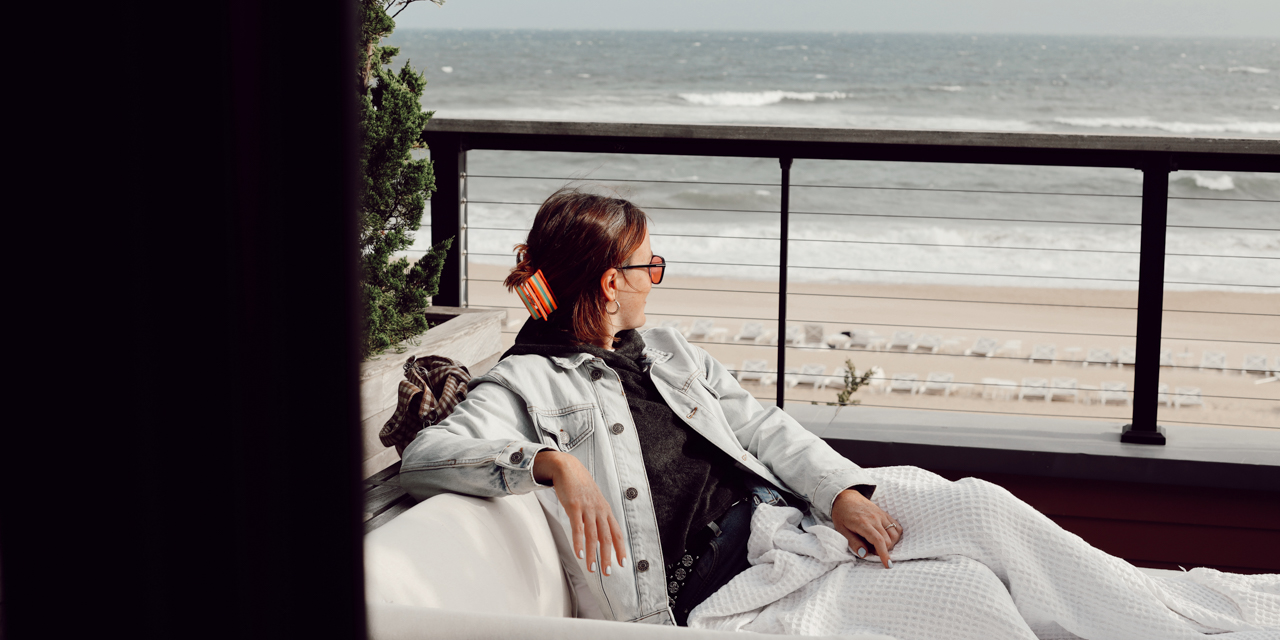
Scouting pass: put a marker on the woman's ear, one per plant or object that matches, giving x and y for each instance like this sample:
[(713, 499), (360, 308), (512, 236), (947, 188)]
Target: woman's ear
[(609, 284)]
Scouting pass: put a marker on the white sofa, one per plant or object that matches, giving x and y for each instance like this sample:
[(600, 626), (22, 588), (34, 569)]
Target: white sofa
[(459, 567)]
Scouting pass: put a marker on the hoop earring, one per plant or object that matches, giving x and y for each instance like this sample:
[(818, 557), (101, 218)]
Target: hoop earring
[(615, 311)]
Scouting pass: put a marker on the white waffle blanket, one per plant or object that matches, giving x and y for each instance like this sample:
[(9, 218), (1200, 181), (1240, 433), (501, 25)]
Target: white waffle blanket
[(974, 563)]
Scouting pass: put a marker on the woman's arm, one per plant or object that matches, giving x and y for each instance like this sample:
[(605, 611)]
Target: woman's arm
[(486, 447)]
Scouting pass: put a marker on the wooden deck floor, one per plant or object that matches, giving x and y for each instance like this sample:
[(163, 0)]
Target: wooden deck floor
[(383, 497)]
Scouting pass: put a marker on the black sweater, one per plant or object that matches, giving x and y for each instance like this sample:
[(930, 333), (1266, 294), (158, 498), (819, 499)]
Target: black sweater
[(692, 481)]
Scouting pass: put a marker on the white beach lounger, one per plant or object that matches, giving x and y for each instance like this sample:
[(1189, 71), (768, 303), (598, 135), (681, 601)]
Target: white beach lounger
[(1098, 355), (985, 347), (937, 382), (1063, 389), (863, 339), (1166, 358), (930, 341), (1163, 395), (878, 380), (1254, 363), (1114, 392), (795, 335), (671, 324), (814, 374), (1044, 352), (752, 331), (1034, 388), (905, 340), (1214, 360), (998, 388), (706, 329), (1126, 356), (752, 370), (1187, 397), (1012, 347), (815, 335), (904, 382)]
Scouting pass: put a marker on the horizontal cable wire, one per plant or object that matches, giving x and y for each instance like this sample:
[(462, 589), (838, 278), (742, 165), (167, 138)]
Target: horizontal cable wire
[(854, 215), (1190, 226), (918, 326), (878, 242), (1001, 413), (740, 184), (862, 187), (841, 295), (945, 273)]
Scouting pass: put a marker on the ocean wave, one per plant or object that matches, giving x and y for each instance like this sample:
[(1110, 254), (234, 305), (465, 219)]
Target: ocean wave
[(1247, 70), (949, 87), (757, 98), (1172, 127), (1218, 183)]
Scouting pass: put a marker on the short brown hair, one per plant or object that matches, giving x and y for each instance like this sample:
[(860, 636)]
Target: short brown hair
[(576, 237)]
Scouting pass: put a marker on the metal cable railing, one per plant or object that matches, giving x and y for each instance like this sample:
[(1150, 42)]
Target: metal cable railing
[(1153, 198)]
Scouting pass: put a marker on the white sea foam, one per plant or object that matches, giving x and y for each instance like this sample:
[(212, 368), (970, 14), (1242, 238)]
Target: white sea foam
[(1247, 70), (757, 98), (1172, 127), (949, 87), (898, 251), (1219, 183)]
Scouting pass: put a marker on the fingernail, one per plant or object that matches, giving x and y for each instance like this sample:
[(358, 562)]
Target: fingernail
[(582, 555), (593, 566), (890, 562), (606, 570), (862, 553), (624, 562)]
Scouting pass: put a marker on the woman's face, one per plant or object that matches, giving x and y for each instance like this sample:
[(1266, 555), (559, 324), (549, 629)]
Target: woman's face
[(633, 289)]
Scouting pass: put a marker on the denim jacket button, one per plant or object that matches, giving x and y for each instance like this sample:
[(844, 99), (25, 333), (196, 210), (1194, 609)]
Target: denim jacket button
[(632, 493), (616, 428), (517, 457), (596, 374), (642, 566)]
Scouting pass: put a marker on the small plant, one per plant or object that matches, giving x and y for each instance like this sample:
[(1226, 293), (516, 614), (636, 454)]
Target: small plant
[(852, 382)]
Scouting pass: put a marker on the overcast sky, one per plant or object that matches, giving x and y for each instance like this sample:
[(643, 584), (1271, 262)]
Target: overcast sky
[(1256, 18)]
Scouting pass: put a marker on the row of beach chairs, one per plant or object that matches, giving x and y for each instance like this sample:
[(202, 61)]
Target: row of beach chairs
[(814, 335), (943, 383)]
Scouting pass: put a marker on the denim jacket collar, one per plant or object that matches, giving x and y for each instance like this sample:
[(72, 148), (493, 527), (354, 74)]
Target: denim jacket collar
[(651, 356)]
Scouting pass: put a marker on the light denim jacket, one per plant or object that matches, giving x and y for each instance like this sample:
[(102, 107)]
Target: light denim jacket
[(576, 404)]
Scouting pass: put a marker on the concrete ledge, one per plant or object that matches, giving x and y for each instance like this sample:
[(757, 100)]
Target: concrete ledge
[(470, 336), (1062, 448)]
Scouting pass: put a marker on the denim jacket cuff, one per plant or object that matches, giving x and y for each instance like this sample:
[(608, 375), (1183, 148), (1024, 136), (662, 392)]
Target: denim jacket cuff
[(515, 462), (833, 483)]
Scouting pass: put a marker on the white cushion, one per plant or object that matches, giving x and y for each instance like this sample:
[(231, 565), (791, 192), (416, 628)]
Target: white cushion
[(483, 555), (393, 622)]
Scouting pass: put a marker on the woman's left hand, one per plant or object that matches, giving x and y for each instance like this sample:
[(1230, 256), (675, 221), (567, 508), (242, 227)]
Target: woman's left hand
[(865, 525)]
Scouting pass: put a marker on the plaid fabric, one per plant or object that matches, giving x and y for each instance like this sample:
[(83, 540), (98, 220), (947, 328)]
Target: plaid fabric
[(432, 387)]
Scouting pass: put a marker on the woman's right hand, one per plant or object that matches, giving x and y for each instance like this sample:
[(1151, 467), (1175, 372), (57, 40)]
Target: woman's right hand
[(594, 527)]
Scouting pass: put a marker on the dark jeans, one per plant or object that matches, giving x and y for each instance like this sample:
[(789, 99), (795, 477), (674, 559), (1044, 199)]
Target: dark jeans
[(727, 556)]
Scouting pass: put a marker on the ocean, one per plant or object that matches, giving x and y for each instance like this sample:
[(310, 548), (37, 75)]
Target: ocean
[(874, 221)]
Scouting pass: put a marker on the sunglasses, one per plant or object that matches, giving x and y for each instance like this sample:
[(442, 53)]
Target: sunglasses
[(657, 267)]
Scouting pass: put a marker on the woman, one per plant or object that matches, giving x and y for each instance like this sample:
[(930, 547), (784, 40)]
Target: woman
[(662, 464), (656, 454)]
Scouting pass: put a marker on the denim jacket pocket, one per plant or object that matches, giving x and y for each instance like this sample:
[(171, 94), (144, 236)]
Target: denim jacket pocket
[(567, 427)]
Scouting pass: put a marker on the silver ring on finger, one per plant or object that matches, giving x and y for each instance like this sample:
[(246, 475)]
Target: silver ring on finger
[(891, 525)]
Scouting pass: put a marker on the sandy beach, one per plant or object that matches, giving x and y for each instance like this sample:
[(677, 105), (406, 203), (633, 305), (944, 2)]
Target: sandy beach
[(1074, 320)]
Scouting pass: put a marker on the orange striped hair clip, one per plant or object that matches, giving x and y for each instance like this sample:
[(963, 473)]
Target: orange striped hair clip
[(535, 293)]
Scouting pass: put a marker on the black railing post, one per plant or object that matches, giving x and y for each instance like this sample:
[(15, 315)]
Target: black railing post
[(1146, 369), (782, 281), (449, 161)]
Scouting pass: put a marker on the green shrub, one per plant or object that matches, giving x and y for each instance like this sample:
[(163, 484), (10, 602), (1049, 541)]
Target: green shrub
[(394, 189)]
